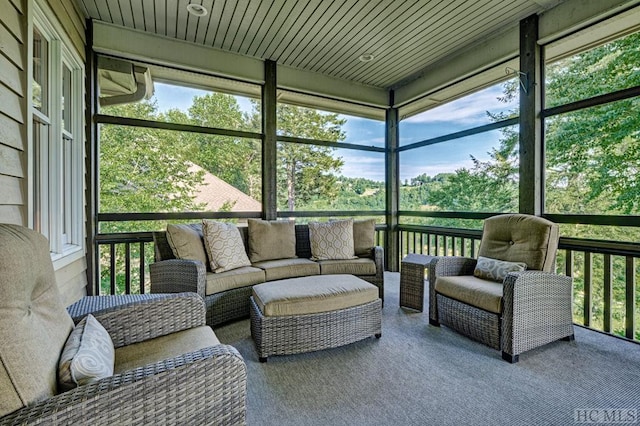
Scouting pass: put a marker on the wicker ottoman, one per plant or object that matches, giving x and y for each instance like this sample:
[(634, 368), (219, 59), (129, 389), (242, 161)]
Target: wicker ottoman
[(311, 313)]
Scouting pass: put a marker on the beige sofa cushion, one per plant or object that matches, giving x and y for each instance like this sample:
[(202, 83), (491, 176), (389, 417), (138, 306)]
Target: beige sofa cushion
[(34, 324), (164, 347), (521, 238), (224, 246), (288, 268), (235, 278), (473, 291), (364, 236), (309, 295), (360, 266), (271, 240), (332, 240), (186, 242)]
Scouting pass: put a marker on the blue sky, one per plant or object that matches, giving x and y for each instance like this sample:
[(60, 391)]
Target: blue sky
[(464, 113)]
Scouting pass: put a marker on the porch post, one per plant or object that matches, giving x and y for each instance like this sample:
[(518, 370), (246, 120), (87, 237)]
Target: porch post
[(531, 131), (392, 182), (269, 145)]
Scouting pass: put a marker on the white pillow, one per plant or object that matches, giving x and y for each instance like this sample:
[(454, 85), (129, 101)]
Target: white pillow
[(224, 246), (332, 240), (88, 355), (496, 270)]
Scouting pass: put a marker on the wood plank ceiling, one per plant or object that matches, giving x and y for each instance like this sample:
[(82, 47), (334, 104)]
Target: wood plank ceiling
[(327, 36)]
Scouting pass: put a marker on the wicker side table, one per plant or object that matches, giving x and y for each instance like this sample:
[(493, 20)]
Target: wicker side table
[(412, 273)]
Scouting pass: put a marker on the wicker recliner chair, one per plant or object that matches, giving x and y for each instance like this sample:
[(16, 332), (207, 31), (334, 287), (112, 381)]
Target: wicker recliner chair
[(169, 366), (526, 310)]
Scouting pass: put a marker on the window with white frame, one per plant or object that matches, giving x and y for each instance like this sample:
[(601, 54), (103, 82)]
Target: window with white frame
[(56, 146)]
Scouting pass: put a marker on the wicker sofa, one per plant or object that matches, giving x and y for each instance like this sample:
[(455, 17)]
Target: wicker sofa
[(227, 294)]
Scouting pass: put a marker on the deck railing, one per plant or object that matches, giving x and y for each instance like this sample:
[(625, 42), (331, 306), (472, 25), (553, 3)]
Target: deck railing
[(605, 273)]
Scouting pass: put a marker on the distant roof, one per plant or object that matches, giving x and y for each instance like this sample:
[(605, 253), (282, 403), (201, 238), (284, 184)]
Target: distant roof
[(214, 193)]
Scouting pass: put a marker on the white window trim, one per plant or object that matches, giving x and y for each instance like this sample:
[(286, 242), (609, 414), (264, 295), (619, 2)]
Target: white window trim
[(62, 252)]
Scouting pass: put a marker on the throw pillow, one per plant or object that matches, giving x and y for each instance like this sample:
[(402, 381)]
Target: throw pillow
[(224, 246), (332, 240), (496, 270), (271, 240), (364, 236), (186, 243), (88, 355)]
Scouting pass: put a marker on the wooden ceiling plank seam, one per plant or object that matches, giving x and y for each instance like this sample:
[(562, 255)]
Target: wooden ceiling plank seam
[(161, 17), (149, 11), (182, 19), (273, 16), (224, 23), (332, 33), (414, 25), (92, 9), (392, 54), (315, 21), (287, 28), (126, 12), (243, 22), (172, 24), (138, 14), (230, 27), (295, 31), (81, 6), (238, 13), (415, 62), (193, 22), (204, 22), (103, 11), (274, 30), (214, 22), (346, 51), (265, 22), (356, 34), (254, 27), (325, 23), (115, 11)]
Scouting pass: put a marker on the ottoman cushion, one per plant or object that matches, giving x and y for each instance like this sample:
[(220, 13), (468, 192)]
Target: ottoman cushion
[(309, 295)]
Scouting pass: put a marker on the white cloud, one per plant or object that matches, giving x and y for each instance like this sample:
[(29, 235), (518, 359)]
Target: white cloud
[(363, 167), (407, 172)]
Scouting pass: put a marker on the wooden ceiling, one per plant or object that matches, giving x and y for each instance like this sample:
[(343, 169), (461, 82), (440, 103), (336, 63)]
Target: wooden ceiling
[(327, 36)]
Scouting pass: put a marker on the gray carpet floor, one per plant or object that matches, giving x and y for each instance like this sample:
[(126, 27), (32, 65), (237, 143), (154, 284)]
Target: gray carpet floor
[(417, 374)]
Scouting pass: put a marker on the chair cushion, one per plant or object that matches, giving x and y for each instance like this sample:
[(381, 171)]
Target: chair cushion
[(360, 266), (186, 242), (88, 355), (165, 347), (271, 240), (235, 278), (473, 291), (364, 236), (224, 246), (34, 324), (309, 295), (288, 268), (521, 238), (332, 240), (496, 270)]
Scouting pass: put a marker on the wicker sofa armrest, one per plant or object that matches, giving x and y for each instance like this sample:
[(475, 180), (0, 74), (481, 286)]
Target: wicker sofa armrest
[(177, 276), (442, 266), (202, 387), (154, 317), (537, 309)]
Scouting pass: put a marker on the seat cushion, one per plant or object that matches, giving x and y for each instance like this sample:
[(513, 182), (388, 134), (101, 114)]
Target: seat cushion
[(473, 291), (164, 347), (360, 266), (235, 278), (309, 295), (270, 240), (288, 268)]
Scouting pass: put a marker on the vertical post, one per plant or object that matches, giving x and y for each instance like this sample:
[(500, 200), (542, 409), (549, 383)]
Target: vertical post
[(531, 152), (630, 298), (269, 144), (392, 184), (91, 164)]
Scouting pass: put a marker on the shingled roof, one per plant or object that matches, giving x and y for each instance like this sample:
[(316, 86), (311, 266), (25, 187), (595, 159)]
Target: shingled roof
[(214, 193)]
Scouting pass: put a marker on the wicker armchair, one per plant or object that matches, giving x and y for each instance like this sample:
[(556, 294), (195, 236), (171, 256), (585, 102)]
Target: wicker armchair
[(173, 369), (526, 310)]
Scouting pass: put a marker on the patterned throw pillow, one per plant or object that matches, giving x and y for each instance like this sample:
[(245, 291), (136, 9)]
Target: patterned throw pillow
[(224, 246), (496, 270), (88, 355), (332, 240)]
